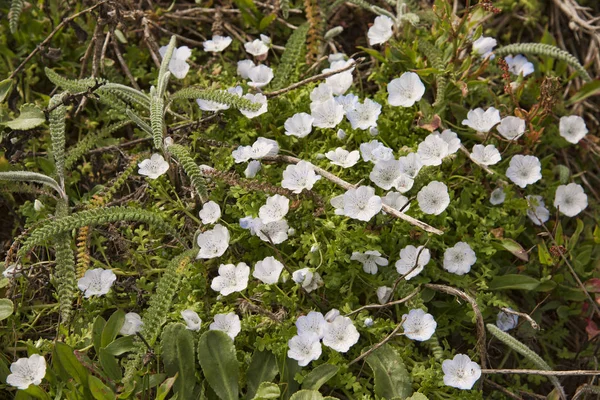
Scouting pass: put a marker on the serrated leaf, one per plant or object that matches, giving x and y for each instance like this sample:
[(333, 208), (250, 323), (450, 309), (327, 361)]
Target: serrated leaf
[(30, 116), (216, 354), (307, 395), (267, 390), (319, 376), (6, 308), (391, 376), (179, 358)]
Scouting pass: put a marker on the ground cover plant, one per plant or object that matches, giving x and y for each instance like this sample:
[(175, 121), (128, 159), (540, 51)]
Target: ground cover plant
[(299, 199)]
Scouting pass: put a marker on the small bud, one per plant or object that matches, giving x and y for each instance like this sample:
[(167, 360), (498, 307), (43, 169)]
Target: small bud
[(333, 32), (38, 205)]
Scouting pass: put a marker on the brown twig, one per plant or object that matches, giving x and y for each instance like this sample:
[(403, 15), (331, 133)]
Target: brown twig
[(533, 324), (123, 64), (391, 303), (378, 345)]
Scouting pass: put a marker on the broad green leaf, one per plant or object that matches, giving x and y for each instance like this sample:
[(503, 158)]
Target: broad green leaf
[(589, 89), (373, 53), (266, 21), (5, 88), (6, 308), (287, 371), (575, 237), (514, 281), (307, 395), (544, 255), (99, 390), (30, 116), (121, 345), (97, 328), (267, 390), (164, 389), (36, 392), (559, 237), (216, 354), (179, 358), (110, 365), (263, 368), (319, 376), (391, 376), (515, 248), (112, 327), (417, 396), (64, 356)]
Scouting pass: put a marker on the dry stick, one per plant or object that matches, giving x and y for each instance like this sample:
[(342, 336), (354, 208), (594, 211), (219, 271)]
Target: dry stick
[(182, 38), (49, 37), (541, 372), (345, 185), (479, 318), (104, 47), (314, 78), (150, 42), (533, 324), (502, 389), (391, 303), (378, 345), (123, 64), (484, 167)]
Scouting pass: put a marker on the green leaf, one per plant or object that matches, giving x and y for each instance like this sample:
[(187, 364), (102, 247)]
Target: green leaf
[(373, 53), (179, 358), (263, 368), (112, 327), (5, 88), (121, 345), (216, 354), (164, 389), (64, 356), (267, 390), (391, 377), (267, 21), (575, 237), (588, 90), (36, 392), (287, 371), (307, 395), (515, 248), (513, 281), (110, 365), (544, 255), (319, 376), (559, 237), (97, 328), (30, 116), (6, 308), (99, 390), (417, 396)]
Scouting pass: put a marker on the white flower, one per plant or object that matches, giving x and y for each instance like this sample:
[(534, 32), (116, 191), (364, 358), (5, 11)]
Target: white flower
[(192, 320), (242, 154), (370, 260), (459, 259), (341, 334), (381, 30), (361, 203), (404, 183), (27, 371), (252, 169), (497, 196), (341, 134), (217, 44), (268, 270), (228, 323), (299, 177), (505, 321), (264, 147), (451, 138), (153, 167), (385, 174), (210, 213), (348, 101), (524, 170), (336, 57), (511, 128), (231, 278), (343, 158), (327, 114), (482, 121), (338, 204), (418, 325), (570, 199), (375, 151), (537, 211), (258, 98), (313, 322), (273, 232), (396, 200), (178, 65), (12, 271), (572, 128), (243, 67), (373, 131), (461, 372), (384, 293), (406, 90), (38, 205), (256, 47), (332, 314), (321, 94), (364, 116), (213, 243), (408, 265), (340, 83), (410, 164), (308, 278), (96, 282), (304, 348), (519, 65), (433, 198), (276, 207), (484, 46), (299, 125), (368, 322), (260, 76), (485, 155), (209, 105), (265, 39), (236, 90), (132, 325), (432, 150)]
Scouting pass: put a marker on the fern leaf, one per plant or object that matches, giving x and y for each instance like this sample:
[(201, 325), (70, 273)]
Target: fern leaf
[(34, 177), (541, 49), (143, 125), (218, 96), (16, 8), (64, 275), (285, 8), (291, 58), (191, 169), (95, 217), (434, 57), (56, 121), (128, 94), (157, 121), (163, 74)]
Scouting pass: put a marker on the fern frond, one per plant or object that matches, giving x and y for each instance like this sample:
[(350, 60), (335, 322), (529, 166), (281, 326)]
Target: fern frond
[(191, 169), (540, 49), (34, 177), (105, 196), (56, 121), (16, 8), (313, 39), (128, 94), (159, 306), (291, 58), (434, 56), (95, 217), (285, 8), (90, 141), (218, 96), (83, 251), (157, 120), (163, 74), (64, 275), (526, 352), (143, 125)]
